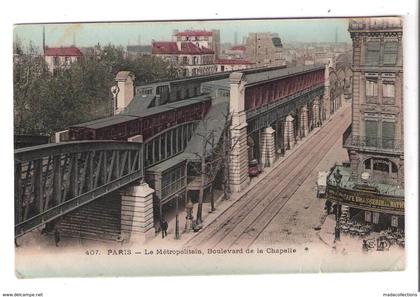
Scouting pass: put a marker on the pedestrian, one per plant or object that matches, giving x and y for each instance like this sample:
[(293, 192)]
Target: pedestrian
[(56, 237), (328, 204), (164, 227), (365, 246)]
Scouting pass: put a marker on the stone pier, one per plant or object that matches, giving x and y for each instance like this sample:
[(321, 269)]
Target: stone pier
[(304, 122), (238, 168), (267, 147), (289, 137), (316, 111), (137, 213)]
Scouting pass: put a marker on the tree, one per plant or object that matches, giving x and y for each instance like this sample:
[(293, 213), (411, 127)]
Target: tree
[(209, 162), (46, 102)]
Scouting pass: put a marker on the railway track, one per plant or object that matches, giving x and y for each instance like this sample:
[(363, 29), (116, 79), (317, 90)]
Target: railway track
[(242, 223)]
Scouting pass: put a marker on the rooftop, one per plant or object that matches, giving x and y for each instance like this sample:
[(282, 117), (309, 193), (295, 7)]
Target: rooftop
[(213, 123), (171, 48), (194, 33), (165, 165), (233, 62), (139, 110), (348, 183), (375, 24), (62, 51), (105, 122), (289, 71), (139, 102), (238, 48)]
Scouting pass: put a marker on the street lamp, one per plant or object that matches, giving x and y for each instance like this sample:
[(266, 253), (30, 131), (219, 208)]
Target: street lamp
[(189, 218), (176, 218), (337, 176)]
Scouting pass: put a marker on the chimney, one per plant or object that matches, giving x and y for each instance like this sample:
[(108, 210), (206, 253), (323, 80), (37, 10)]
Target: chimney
[(43, 39), (125, 93)]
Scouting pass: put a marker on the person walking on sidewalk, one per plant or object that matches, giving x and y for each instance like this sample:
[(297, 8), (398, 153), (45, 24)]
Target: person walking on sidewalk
[(57, 236), (164, 227)]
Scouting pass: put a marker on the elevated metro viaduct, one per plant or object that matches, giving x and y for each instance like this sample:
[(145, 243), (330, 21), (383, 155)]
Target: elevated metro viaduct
[(270, 110)]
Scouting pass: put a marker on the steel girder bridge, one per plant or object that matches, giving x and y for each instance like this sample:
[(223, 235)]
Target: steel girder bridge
[(54, 179)]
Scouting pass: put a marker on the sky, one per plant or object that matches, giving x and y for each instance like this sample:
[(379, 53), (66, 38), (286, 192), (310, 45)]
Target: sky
[(87, 34)]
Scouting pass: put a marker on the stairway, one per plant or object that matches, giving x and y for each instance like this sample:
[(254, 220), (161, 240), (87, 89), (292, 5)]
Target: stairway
[(99, 220)]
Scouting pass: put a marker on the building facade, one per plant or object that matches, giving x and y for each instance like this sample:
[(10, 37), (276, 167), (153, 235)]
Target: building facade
[(201, 38), (61, 57), (264, 49), (233, 64), (372, 185), (190, 58)]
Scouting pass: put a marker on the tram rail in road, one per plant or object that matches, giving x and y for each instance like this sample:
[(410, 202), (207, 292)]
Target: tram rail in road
[(242, 223)]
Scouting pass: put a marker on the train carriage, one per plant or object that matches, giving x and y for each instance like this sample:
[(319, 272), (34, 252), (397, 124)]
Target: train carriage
[(147, 122)]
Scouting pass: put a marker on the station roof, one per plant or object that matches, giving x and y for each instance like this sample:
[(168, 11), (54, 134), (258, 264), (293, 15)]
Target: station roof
[(165, 165), (139, 102), (221, 83), (136, 111), (105, 122), (213, 123), (277, 73)]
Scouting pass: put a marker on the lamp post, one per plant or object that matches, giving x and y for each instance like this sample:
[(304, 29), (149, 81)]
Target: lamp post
[(176, 219), (337, 177), (189, 218)]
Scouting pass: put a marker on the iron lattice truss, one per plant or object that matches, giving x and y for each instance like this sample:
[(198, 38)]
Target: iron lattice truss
[(52, 180)]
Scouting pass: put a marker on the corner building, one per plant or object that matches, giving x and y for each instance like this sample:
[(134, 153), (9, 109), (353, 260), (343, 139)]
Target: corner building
[(372, 186)]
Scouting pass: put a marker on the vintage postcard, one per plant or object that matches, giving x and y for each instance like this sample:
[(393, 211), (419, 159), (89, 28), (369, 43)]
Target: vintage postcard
[(209, 147)]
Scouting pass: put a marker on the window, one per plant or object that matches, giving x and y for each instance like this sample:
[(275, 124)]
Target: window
[(373, 53), (371, 132), (368, 164), (381, 165), (368, 217), (390, 53), (56, 61), (394, 168), (371, 89), (375, 218), (388, 134), (388, 92)]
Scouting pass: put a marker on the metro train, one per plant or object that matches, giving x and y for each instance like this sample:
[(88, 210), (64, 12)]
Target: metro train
[(146, 122)]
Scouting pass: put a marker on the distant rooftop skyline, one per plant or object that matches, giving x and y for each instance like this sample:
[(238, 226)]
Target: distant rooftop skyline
[(132, 33)]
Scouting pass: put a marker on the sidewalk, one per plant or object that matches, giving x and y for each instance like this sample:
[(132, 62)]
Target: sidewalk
[(347, 243)]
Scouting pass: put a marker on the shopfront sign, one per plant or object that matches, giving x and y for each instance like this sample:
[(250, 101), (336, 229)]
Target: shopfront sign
[(364, 199)]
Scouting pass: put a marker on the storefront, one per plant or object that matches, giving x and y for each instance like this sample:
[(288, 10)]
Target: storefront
[(377, 204)]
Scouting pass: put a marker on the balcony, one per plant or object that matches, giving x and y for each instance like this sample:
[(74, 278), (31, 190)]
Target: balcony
[(372, 144)]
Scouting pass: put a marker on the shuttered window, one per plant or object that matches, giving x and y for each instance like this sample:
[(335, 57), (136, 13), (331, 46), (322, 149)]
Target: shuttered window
[(390, 53), (371, 132), (371, 88), (388, 134), (373, 53), (388, 93), (388, 89)]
